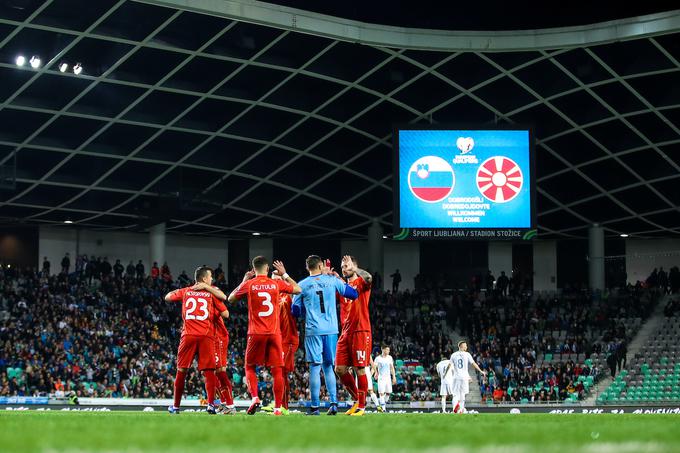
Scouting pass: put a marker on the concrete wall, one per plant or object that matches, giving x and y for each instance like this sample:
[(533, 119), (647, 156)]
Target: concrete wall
[(404, 256), (500, 258), (643, 255), (182, 252)]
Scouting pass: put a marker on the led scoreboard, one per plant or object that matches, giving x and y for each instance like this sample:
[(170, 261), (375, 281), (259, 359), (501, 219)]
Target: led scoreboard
[(454, 183)]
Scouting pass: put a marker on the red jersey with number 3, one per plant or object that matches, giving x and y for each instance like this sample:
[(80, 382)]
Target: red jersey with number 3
[(198, 311), (354, 313), (263, 303)]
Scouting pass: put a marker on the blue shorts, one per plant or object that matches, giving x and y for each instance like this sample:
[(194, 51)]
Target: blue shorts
[(321, 348)]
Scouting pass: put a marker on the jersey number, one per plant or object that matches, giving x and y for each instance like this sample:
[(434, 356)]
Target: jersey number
[(267, 302), (191, 308), (460, 363), (361, 356), (322, 306)]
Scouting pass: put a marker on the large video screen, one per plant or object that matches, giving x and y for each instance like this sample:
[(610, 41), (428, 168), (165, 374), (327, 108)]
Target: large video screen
[(464, 184)]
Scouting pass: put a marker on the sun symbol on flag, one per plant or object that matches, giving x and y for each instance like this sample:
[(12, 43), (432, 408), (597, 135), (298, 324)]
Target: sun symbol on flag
[(499, 179)]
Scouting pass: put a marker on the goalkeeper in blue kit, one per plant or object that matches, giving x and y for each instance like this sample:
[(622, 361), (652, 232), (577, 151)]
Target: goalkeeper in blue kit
[(317, 304)]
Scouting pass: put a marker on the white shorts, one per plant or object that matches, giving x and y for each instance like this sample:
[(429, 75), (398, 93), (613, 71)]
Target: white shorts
[(461, 386), (384, 385), (446, 388)]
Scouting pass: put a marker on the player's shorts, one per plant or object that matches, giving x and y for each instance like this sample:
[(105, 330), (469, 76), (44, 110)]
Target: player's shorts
[(385, 385), (221, 345), (289, 350), (446, 388), (190, 345), (264, 350), (461, 386), (320, 348), (354, 349)]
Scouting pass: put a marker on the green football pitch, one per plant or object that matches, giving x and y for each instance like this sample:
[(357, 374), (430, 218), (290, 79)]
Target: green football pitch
[(161, 432)]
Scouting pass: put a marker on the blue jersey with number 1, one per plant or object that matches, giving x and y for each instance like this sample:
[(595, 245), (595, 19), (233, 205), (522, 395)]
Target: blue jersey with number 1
[(317, 300)]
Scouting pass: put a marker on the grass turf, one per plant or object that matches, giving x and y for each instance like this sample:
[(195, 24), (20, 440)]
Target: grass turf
[(151, 432)]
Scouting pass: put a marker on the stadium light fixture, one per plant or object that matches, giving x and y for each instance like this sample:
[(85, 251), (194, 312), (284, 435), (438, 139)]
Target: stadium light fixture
[(257, 234), (63, 67), (77, 69), (35, 62), (624, 235), (68, 221), (384, 237), (21, 60)]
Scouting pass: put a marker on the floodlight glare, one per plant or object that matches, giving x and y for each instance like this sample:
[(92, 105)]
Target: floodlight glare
[(63, 67), (77, 69), (21, 60), (35, 62)]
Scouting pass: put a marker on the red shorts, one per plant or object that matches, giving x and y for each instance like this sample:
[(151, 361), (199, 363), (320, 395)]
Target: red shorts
[(264, 350), (354, 349), (190, 345), (221, 345), (289, 350)]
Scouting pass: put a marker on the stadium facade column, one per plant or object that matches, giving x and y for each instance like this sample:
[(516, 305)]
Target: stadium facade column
[(596, 257), (500, 258), (376, 247), (156, 245), (545, 265), (261, 247)]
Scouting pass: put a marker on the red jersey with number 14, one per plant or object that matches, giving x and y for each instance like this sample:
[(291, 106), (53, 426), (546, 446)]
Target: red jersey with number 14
[(198, 310), (354, 313), (263, 303)]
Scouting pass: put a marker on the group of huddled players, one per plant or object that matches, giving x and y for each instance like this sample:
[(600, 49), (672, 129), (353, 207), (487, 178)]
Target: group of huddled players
[(275, 301)]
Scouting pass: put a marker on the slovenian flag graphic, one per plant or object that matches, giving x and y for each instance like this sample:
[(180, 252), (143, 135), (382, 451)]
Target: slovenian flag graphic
[(431, 179)]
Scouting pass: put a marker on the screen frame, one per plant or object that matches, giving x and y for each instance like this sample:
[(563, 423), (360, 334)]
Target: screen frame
[(518, 233)]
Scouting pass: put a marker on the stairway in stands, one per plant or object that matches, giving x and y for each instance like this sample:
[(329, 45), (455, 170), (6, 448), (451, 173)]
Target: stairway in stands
[(637, 348)]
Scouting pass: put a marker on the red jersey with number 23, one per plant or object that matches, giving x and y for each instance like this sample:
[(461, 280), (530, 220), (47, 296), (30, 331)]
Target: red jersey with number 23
[(198, 310), (263, 300)]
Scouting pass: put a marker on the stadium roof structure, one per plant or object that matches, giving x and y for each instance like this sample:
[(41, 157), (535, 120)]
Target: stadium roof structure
[(233, 117)]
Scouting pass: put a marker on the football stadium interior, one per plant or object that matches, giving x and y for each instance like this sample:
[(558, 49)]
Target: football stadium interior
[(489, 192)]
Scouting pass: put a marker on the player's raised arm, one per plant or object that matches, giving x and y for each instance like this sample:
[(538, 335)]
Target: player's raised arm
[(173, 296), (211, 289), (345, 290), (352, 267), (281, 271), (222, 309), (241, 290)]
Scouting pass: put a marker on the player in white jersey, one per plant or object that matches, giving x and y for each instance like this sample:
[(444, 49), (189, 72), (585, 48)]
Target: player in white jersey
[(461, 376), (384, 365), (445, 372)]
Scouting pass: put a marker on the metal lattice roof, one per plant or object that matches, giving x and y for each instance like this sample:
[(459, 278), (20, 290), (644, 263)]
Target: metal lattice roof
[(222, 126)]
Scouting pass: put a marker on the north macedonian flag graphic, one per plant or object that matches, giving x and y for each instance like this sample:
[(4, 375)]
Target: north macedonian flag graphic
[(431, 179)]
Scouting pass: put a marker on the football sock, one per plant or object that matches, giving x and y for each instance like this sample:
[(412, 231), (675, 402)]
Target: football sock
[(210, 385), (348, 381), (374, 398), (226, 391), (251, 376), (277, 374), (382, 400), (362, 390), (286, 390), (179, 386), (331, 382), (443, 404), (315, 382)]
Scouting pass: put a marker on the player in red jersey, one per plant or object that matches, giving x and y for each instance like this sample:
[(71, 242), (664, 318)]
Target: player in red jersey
[(290, 339), (224, 387), (200, 303), (355, 342), (264, 332)]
